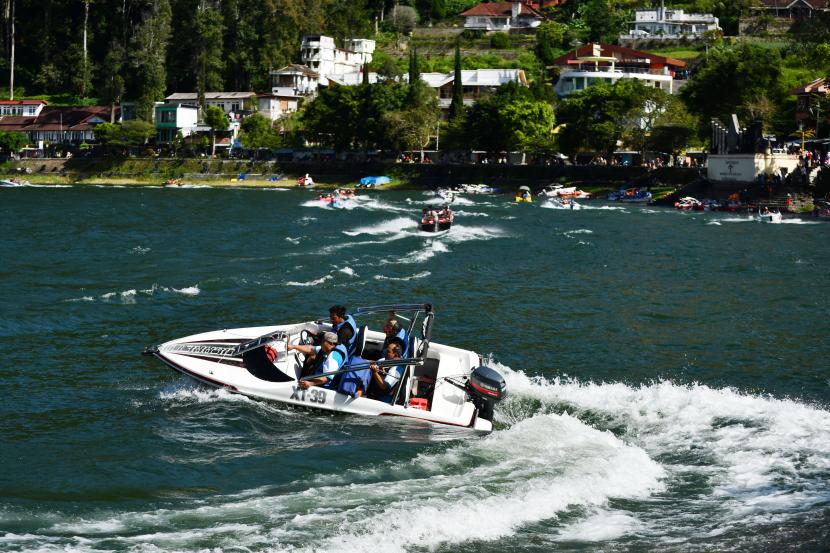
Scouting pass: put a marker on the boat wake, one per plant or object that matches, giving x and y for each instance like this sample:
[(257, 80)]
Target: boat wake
[(660, 465)]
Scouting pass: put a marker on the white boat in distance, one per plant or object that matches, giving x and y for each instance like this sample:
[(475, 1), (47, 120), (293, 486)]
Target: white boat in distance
[(770, 217), (560, 191), (476, 189), (441, 384)]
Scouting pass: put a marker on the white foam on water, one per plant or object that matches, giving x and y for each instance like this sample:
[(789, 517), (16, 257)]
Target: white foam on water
[(759, 455), (430, 250), (714, 223), (347, 271), (603, 526), (315, 282), (604, 207), (81, 299), (416, 276), (306, 220), (139, 250), (572, 233), (392, 226), (798, 221), (293, 240), (188, 290), (463, 233)]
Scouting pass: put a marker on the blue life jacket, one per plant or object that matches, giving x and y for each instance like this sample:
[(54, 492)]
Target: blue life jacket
[(340, 354), (404, 341), (349, 320), (349, 383)]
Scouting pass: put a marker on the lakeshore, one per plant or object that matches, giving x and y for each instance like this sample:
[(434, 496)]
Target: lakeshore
[(333, 174)]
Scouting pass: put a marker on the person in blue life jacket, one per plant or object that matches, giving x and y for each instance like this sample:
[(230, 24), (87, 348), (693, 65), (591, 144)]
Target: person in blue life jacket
[(344, 326), (329, 356), (385, 379), (394, 331)]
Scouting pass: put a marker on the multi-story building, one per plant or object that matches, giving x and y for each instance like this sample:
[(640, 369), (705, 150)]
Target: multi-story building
[(607, 63), (320, 54), (669, 24), (52, 125)]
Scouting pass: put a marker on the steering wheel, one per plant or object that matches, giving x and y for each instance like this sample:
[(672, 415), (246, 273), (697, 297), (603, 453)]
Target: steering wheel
[(306, 338)]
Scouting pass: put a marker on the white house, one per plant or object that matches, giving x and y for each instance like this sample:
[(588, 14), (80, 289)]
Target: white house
[(232, 103), (669, 24), (320, 54), (475, 83), (173, 118), (608, 63), (278, 103), (502, 16), (296, 79)]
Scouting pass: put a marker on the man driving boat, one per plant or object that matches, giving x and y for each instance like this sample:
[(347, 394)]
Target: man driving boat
[(329, 356), (344, 326)]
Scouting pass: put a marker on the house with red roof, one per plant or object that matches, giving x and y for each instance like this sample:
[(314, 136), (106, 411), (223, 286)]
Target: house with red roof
[(28, 108), (608, 63), (807, 96), (503, 16), (55, 125), (792, 9)]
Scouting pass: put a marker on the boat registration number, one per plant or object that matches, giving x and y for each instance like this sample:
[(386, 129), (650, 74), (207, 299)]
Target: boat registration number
[(312, 395)]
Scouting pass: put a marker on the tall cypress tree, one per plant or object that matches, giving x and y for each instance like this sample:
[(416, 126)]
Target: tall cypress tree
[(457, 104), (414, 74)]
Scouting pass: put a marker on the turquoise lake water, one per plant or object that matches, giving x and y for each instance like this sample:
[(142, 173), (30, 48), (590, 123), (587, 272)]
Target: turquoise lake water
[(668, 372)]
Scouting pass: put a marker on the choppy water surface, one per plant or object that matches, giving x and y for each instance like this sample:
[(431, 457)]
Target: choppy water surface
[(668, 372)]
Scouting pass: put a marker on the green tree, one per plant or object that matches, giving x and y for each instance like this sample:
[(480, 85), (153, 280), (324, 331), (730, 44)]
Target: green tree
[(216, 119), (147, 56), (457, 104), (673, 128), (510, 120), (729, 80), (414, 72), (112, 81), (124, 136), (412, 127), (595, 119), (550, 37), (256, 132), (209, 52), (12, 142), (604, 21)]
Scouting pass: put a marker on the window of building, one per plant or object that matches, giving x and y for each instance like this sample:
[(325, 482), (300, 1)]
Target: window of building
[(30, 110), (235, 107), (168, 116)]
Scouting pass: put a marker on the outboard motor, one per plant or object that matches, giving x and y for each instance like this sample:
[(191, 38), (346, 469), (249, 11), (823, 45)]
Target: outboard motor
[(485, 387)]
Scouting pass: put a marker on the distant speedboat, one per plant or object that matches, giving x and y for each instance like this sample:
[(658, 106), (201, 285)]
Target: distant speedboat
[(439, 384), (687, 203), (476, 189), (14, 182), (769, 217), (563, 203), (560, 191), (434, 221), (630, 195)]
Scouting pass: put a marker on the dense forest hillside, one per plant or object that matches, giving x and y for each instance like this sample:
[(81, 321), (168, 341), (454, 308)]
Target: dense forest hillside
[(144, 48)]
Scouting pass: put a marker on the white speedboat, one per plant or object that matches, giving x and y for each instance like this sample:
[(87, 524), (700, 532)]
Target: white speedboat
[(770, 217), (562, 203), (560, 191), (476, 189), (441, 384), (14, 182)]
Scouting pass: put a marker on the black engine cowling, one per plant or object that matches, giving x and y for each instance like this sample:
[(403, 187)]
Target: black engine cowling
[(485, 387)]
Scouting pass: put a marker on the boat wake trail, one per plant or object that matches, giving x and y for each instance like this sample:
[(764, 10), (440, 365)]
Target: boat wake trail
[(663, 466)]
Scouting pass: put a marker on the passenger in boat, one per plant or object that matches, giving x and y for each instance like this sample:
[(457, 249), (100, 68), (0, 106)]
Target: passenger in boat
[(329, 356), (385, 379), (345, 327), (395, 333)]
